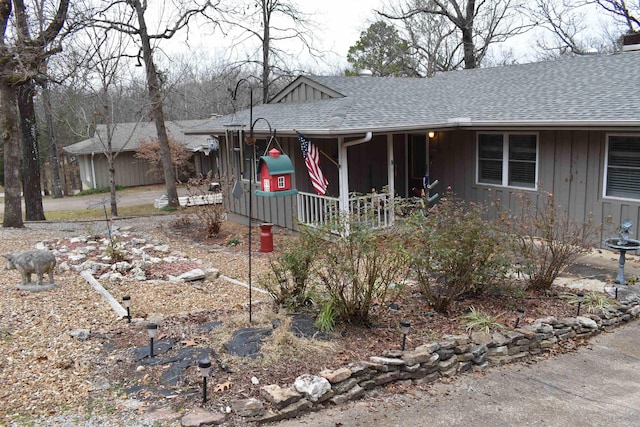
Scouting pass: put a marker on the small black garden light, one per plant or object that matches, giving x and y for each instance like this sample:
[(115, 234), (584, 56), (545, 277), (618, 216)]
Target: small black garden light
[(205, 368), (519, 314), (581, 296), (404, 327), (126, 301), (152, 329)]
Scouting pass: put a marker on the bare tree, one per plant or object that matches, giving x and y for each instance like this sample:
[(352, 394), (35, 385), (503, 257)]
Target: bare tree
[(53, 143), (478, 24), (129, 17), (197, 87), (258, 21), (626, 12), (21, 60), (564, 20), (103, 78), (31, 186)]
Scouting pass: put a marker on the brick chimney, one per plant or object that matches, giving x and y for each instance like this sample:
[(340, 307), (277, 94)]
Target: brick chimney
[(631, 42)]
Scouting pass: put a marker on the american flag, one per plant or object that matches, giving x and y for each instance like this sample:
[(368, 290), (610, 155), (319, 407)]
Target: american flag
[(311, 156)]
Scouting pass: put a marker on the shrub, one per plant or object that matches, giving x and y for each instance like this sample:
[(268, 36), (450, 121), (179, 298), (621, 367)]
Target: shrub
[(291, 270), (210, 216), (456, 252), (548, 238), (358, 266)]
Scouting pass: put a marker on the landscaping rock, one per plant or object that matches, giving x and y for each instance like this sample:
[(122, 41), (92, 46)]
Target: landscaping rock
[(336, 376), (290, 411), (192, 275), (251, 407), (81, 334), (279, 397), (312, 386), (199, 417), (587, 323)]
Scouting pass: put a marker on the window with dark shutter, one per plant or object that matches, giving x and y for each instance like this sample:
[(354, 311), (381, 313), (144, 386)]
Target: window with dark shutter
[(623, 167)]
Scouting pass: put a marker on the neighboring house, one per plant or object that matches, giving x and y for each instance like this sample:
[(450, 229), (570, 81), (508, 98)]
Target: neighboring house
[(569, 126), (130, 171)]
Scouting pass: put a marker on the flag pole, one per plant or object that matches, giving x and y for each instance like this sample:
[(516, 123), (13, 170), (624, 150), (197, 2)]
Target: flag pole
[(324, 154)]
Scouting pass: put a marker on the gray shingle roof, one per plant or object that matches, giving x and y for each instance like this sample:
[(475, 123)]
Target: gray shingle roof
[(598, 90), (127, 137)]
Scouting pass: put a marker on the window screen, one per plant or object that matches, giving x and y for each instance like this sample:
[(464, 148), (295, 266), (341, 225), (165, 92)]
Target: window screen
[(507, 159), (490, 147), (623, 167), (522, 160)]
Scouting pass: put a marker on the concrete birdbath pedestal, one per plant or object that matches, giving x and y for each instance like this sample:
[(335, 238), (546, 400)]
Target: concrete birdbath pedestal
[(622, 244)]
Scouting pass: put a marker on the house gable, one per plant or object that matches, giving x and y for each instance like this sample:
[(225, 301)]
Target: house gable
[(304, 89)]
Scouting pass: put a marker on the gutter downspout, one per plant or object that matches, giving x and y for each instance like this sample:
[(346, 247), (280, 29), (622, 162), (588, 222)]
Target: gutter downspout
[(93, 171), (343, 172)]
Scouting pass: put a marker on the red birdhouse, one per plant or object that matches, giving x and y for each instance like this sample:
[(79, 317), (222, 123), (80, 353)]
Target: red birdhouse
[(275, 172)]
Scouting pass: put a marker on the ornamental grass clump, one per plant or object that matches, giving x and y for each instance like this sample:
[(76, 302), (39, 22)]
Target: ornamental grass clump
[(454, 252), (476, 320)]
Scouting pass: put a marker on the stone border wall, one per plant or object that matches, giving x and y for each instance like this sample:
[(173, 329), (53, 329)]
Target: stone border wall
[(428, 362)]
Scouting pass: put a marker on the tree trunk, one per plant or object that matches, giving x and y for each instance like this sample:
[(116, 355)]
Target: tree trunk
[(112, 185), (53, 144), (156, 109), (266, 42), (11, 147), (31, 186), (469, 48)]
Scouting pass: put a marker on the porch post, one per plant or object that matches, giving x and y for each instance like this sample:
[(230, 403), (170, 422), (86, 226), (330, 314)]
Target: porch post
[(343, 176), (391, 178)]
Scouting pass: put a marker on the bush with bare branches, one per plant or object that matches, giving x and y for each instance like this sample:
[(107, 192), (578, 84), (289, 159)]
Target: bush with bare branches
[(548, 238)]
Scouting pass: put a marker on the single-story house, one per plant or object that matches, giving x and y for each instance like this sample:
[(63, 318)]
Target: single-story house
[(130, 171), (569, 126)]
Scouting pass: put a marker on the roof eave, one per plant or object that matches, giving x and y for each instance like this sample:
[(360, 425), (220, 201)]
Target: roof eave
[(450, 124)]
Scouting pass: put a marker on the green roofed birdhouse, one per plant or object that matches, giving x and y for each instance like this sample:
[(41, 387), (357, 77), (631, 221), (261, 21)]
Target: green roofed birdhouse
[(275, 172)]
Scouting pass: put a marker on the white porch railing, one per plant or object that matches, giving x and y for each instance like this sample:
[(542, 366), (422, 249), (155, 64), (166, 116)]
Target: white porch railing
[(375, 209), (317, 210)]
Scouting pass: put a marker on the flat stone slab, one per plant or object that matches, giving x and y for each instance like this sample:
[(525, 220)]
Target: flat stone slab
[(159, 347), (186, 357), (34, 287), (246, 342), (302, 325)]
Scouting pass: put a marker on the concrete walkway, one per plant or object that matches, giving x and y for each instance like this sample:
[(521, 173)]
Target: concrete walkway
[(598, 385)]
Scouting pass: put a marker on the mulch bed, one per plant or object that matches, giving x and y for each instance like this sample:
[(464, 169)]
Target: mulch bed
[(43, 371)]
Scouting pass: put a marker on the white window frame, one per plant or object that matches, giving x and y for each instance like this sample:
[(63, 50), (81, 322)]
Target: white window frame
[(282, 182), (505, 159), (606, 167)]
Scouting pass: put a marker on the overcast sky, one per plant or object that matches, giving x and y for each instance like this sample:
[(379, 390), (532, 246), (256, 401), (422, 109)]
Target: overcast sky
[(340, 24)]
